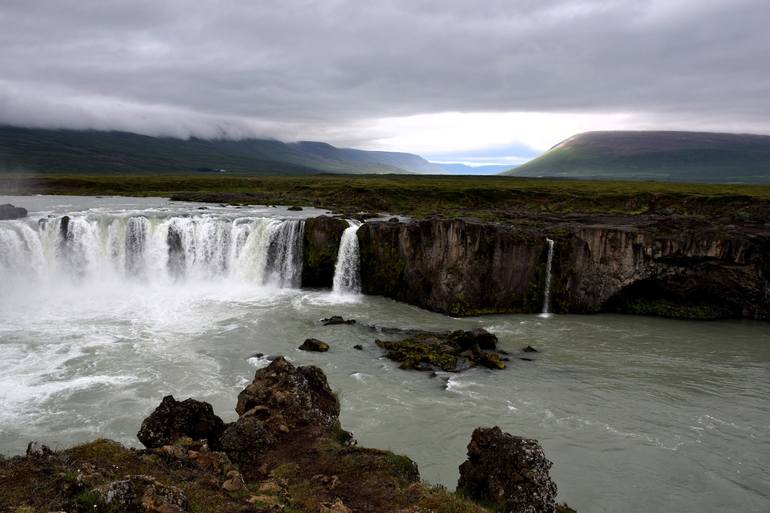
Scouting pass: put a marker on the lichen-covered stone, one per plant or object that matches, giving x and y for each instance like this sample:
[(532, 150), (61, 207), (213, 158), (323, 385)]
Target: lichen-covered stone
[(281, 399), (141, 493), (509, 472), (448, 351), (314, 345), (336, 319)]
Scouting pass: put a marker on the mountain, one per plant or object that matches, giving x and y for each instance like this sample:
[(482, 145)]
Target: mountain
[(463, 169), (663, 156), (406, 161), (101, 152)]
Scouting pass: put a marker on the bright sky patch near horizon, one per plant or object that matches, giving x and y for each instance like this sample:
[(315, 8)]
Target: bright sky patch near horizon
[(482, 82)]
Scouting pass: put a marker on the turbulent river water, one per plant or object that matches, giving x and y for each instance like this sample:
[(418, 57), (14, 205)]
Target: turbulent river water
[(138, 298)]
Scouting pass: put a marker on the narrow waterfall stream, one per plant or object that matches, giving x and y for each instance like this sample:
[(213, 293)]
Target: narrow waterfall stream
[(547, 293), (347, 272)]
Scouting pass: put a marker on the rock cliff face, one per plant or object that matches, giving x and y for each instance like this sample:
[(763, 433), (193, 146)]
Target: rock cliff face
[(320, 245), (659, 266)]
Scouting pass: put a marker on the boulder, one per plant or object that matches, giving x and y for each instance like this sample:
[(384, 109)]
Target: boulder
[(510, 473), (174, 419), (8, 212), (336, 319), (141, 493), (234, 482), (38, 450), (449, 351), (478, 338), (281, 400), (315, 345)]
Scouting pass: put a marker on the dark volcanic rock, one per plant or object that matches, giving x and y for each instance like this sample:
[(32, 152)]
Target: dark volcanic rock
[(336, 319), (321, 242), (8, 212), (358, 347), (174, 419), (509, 472), (530, 349), (281, 401), (669, 266), (313, 344), (477, 338), (449, 351)]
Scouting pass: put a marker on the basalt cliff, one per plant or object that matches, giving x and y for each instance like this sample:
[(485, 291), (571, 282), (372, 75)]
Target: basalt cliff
[(669, 266)]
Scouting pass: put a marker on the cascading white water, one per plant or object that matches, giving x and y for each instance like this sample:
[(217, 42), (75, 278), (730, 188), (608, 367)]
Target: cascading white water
[(347, 272), (157, 249), (284, 257), (547, 294)]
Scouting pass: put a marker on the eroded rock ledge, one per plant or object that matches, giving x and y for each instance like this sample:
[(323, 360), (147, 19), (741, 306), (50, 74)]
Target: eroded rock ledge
[(286, 452), (669, 266)]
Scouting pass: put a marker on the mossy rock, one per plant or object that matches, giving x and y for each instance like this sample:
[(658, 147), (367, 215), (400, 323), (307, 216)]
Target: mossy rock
[(421, 353)]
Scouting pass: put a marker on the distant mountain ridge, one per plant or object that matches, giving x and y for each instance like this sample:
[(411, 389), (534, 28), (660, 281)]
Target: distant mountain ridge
[(464, 169), (106, 152), (656, 155)]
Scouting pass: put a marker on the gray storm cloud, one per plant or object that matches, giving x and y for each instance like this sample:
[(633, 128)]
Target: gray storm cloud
[(299, 68)]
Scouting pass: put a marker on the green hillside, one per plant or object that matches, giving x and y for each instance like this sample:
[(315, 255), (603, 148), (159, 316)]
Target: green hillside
[(662, 156), (98, 152)]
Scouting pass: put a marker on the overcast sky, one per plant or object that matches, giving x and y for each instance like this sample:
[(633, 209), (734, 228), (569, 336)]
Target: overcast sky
[(481, 81)]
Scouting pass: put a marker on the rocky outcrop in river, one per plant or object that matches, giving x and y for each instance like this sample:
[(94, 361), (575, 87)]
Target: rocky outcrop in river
[(8, 211), (321, 243), (677, 267), (448, 351)]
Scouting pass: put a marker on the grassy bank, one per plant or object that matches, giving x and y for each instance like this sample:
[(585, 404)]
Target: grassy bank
[(485, 197)]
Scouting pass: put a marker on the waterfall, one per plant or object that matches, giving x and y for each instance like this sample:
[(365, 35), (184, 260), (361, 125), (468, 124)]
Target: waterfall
[(347, 272), (82, 247), (547, 294), (136, 244), (285, 253)]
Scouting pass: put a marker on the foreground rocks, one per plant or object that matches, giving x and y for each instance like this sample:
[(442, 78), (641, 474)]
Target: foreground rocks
[(286, 452), (448, 351), (282, 400), (8, 212), (509, 472), (174, 419)]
